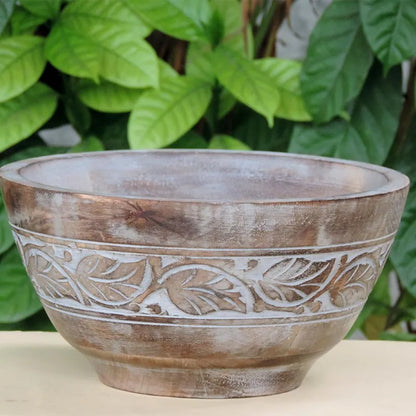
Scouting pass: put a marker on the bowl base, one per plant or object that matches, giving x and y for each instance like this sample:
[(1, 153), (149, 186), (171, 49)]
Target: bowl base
[(202, 382)]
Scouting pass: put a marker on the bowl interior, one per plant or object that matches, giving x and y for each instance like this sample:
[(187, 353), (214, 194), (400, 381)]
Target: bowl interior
[(204, 175)]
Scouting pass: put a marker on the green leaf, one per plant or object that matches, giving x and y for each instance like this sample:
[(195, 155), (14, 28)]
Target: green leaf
[(246, 82), (37, 322), (398, 336), (390, 28), (251, 128), (182, 19), (166, 71), (285, 75), (24, 22), (226, 103), (375, 118), (108, 97), (159, 117), (378, 302), (222, 102), (403, 253), (23, 115), (77, 113), (92, 40), (374, 326), (322, 140), (111, 129), (90, 144), (190, 140), (72, 53), (18, 299), (215, 28), (232, 14), (105, 14), (199, 61), (6, 10), (223, 141), (370, 133), (6, 237), (44, 8), (407, 308), (21, 64), (337, 61)]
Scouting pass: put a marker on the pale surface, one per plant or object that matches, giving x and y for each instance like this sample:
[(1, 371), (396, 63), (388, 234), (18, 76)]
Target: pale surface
[(41, 375)]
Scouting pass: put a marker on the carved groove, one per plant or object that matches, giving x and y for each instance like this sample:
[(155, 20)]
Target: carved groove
[(138, 284)]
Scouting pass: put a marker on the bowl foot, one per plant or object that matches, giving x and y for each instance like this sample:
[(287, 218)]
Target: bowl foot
[(203, 382)]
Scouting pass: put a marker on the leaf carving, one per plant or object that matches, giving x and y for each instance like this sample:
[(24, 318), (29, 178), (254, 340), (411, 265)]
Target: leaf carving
[(111, 282), (293, 281), (50, 278), (201, 289), (354, 283)]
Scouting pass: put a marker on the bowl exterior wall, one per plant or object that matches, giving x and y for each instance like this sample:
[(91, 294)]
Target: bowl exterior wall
[(204, 322), (199, 298)]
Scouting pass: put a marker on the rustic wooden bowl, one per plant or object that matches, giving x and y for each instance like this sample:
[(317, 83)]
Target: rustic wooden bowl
[(202, 273)]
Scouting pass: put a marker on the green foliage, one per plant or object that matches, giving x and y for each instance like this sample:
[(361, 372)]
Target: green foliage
[(107, 97), (6, 9), (21, 64), (182, 19), (24, 23), (18, 299), (103, 38), (44, 8), (190, 140), (23, 115), (246, 81), (89, 144), (6, 237), (223, 141), (337, 61), (398, 336), (370, 131), (404, 251), (160, 116), (285, 75), (202, 74), (378, 303), (403, 254), (236, 36), (390, 29)]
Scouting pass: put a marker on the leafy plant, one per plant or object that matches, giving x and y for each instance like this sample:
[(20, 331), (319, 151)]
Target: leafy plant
[(204, 74)]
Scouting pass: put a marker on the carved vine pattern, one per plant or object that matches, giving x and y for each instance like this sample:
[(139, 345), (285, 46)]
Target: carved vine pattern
[(106, 281)]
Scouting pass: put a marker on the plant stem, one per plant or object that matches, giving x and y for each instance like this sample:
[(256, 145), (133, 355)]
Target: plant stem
[(279, 16), (408, 111), (264, 26), (179, 56)]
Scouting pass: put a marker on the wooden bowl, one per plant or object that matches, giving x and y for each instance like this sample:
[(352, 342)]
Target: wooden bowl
[(202, 273)]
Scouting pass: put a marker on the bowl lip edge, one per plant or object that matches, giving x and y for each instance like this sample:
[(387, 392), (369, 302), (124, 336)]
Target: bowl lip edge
[(395, 180)]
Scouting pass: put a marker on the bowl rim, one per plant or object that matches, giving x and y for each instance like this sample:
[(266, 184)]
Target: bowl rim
[(395, 180)]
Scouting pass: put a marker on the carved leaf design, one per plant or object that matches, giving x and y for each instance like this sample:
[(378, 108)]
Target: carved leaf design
[(201, 289), (50, 279), (354, 283), (112, 282), (67, 275), (293, 281)]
